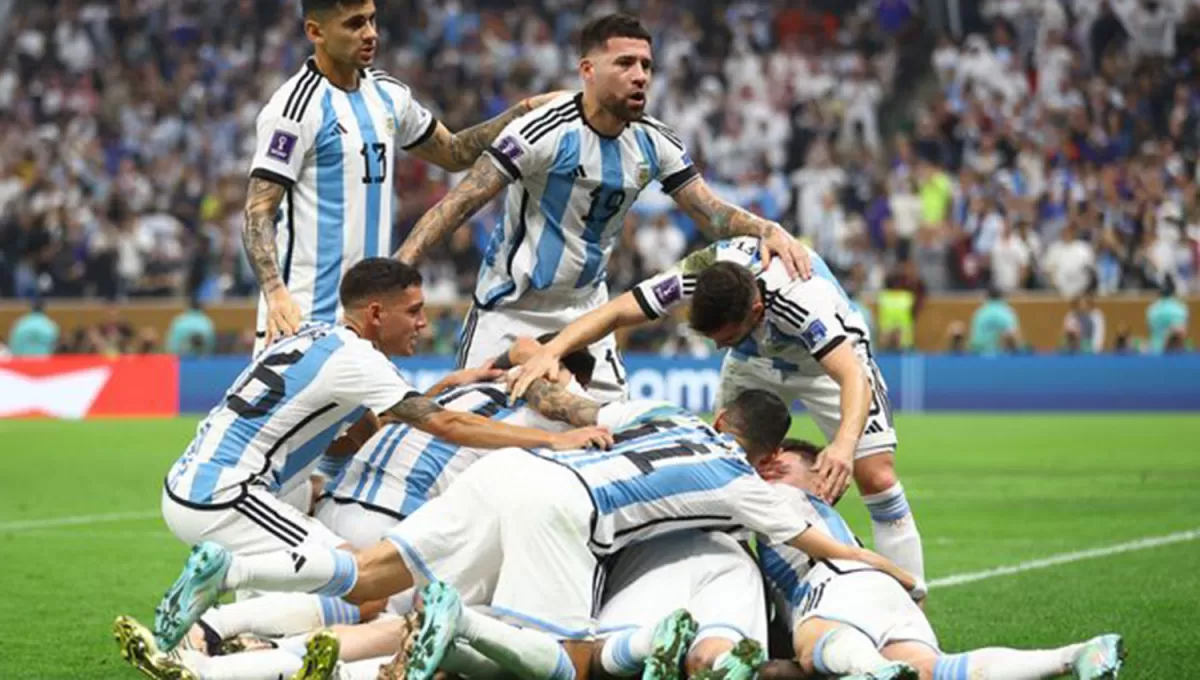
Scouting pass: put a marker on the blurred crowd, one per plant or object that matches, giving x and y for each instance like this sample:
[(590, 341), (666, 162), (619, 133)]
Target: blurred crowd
[(1051, 145)]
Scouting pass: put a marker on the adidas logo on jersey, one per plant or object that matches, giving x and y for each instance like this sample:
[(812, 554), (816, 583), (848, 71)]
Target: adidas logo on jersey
[(298, 561), (579, 172), (341, 129)]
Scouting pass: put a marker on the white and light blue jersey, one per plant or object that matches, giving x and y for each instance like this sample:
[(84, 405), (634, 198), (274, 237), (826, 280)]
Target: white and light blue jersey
[(566, 207), (786, 568), (803, 321), (334, 151), (400, 468), (669, 471), (282, 412)]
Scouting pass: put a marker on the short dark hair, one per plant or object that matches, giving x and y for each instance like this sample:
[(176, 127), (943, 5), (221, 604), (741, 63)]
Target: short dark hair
[(376, 276), (579, 363), (760, 420), (597, 32), (310, 7), (803, 448), (724, 295)]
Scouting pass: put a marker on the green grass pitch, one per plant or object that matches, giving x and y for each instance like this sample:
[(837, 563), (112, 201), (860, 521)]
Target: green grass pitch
[(987, 490)]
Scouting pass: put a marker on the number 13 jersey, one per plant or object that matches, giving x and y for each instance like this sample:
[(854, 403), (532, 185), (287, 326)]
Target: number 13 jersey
[(669, 471), (334, 151), (282, 412)]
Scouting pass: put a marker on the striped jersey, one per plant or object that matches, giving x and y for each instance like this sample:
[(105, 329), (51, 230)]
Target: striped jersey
[(803, 321), (571, 189), (282, 412), (400, 468), (334, 150), (670, 471), (788, 569)]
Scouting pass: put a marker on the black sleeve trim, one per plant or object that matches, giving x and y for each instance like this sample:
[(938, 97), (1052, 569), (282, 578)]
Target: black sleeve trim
[(514, 173), (271, 176), (433, 123), (824, 351), (675, 182), (644, 303)]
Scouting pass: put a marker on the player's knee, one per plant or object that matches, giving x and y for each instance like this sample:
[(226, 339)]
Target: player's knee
[(782, 670), (704, 654), (875, 474)]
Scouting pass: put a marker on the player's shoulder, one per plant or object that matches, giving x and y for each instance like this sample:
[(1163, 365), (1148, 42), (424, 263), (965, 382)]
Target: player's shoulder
[(393, 87), (549, 120), (658, 128), (743, 250), (298, 98)]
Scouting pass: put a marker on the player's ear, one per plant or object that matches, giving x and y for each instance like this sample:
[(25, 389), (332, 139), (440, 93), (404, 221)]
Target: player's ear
[(587, 69), (312, 30), (719, 421)]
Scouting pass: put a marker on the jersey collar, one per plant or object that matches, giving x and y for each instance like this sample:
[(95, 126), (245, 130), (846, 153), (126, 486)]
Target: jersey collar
[(583, 117)]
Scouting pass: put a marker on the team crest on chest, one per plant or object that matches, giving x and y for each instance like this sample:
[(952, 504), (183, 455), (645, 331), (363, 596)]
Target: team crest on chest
[(643, 175), (390, 123)]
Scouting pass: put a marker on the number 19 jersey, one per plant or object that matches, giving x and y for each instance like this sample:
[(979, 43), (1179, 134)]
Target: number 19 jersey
[(333, 150), (669, 471), (281, 414)]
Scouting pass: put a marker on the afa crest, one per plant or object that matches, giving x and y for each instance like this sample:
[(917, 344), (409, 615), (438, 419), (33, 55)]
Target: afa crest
[(391, 125), (643, 175)]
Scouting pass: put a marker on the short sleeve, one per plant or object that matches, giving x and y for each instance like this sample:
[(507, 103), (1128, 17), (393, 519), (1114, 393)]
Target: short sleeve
[(366, 377), (805, 310), (659, 295), (415, 124), (527, 145), (763, 509), (675, 166), (283, 138)]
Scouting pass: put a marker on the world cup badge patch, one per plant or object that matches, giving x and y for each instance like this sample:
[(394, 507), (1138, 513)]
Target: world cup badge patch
[(282, 144)]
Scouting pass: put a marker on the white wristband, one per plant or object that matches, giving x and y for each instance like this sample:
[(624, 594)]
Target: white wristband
[(919, 591)]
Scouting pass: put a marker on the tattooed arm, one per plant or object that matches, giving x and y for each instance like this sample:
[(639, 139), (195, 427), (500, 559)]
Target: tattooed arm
[(456, 151), (480, 185), (469, 429), (263, 197), (719, 219), (556, 403)]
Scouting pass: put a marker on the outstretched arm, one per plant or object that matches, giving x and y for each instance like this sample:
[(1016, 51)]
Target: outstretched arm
[(720, 219), (481, 185), (469, 429), (818, 546), (456, 151), (580, 333)]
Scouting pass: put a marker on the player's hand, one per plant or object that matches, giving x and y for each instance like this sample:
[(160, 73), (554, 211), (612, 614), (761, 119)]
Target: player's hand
[(779, 243), (283, 315), (540, 100), (833, 469), (582, 438), (543, 364), (466, 376)]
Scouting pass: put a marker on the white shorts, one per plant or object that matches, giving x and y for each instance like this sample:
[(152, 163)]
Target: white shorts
[(255, 522), (361, 527), (489, 332), (820, 394), (511, 532), (707, 573), (857, 595)]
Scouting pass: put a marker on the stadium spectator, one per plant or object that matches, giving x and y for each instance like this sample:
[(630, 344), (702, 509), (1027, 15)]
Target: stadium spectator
[(191, 333), (1083, 326), (34, 334), (1167, 319), (995, 328)]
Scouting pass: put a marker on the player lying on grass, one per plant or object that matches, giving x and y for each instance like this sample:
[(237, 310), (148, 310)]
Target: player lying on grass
[(848, 619), (720, 617), (521, 530), (802, 340)]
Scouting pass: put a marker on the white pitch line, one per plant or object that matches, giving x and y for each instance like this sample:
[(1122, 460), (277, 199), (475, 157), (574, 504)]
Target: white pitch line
[(1065, 558), (77, 520)]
